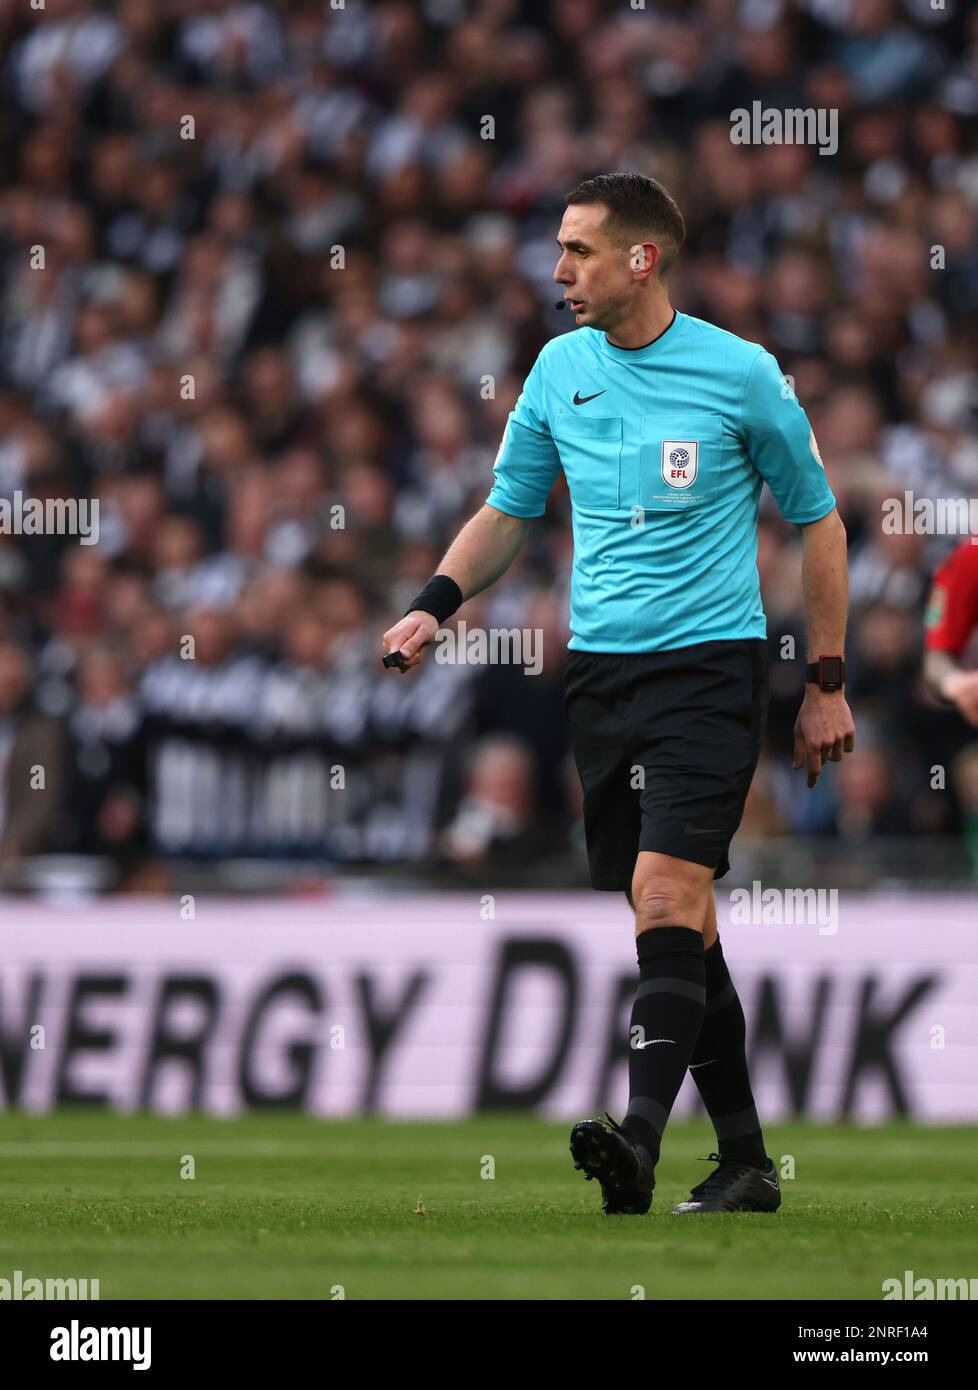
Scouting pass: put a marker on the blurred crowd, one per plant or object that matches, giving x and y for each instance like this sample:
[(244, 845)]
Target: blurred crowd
[(272, 275)]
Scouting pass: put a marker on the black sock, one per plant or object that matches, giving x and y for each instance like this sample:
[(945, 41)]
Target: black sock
[(668, 1010), (719, 1066)]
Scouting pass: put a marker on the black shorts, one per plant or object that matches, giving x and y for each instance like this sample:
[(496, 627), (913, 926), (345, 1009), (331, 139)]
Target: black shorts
[(687, 724)]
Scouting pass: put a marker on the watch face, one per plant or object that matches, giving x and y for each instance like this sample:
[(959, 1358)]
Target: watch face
[(830, 672)]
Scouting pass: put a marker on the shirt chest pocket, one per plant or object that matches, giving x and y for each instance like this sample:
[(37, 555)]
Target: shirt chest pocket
[(590, 452), (680, 460)]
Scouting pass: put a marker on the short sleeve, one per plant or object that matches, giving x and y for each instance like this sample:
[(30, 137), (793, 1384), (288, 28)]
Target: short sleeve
[(781, 443), (952, 606), (527, 462)]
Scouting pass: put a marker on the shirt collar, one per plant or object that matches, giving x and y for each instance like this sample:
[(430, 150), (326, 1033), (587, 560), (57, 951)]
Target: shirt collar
[(642, 354)]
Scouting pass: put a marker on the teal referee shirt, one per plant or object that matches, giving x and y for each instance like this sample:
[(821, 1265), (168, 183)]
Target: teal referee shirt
[(665, 449)]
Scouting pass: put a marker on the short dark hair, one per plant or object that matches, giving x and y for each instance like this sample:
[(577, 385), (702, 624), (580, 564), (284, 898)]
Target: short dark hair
[(636, 206)]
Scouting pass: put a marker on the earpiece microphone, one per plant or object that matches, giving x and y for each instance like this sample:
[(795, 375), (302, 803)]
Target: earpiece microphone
[(560, 304)]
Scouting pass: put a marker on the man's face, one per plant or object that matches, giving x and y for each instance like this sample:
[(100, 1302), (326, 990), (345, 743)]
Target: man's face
[(595, 270)]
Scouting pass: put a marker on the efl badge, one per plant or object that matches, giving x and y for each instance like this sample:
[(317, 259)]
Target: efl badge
[(679, 461)]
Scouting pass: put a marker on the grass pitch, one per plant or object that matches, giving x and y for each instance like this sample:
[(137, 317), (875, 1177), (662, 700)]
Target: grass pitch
[(286, 1206)]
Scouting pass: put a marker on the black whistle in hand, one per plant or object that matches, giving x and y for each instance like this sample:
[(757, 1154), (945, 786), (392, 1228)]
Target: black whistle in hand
[(394, 659)]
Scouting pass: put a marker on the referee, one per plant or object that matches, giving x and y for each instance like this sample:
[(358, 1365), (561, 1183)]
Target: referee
[(666, 428)]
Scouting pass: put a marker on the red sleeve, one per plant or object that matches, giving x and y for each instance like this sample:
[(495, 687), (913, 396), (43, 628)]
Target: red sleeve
[(952, 607)]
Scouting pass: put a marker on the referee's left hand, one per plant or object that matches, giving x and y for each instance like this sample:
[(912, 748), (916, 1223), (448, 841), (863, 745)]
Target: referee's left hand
[(824, 730)]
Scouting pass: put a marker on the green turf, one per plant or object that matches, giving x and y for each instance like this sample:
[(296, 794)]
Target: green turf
[(285, 1206)]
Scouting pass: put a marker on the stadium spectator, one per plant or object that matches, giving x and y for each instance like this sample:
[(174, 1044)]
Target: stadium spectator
[(31, 763)]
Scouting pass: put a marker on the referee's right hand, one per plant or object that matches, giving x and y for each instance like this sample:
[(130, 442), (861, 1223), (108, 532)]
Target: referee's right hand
[(410, 636)]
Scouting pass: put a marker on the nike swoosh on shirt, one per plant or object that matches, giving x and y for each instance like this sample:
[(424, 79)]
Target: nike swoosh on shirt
[(582, 400)]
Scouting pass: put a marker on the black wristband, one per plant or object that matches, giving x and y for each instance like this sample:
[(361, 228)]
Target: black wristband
[(440, 597), (828, 673)]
